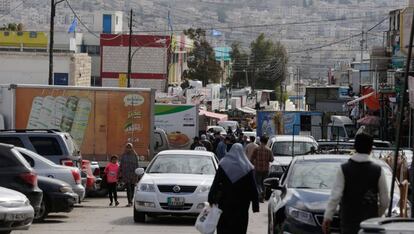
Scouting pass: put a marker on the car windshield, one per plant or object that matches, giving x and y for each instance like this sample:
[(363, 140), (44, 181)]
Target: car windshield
[(285, 148), (351, 130), (183, 164), (313, 175)]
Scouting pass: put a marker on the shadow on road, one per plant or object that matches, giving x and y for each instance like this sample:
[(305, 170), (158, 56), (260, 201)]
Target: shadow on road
[(53, 219), (163, 220)]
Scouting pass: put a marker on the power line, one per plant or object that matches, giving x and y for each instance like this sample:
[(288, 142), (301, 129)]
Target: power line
[(265, 25), (11, 10), (86, 27)]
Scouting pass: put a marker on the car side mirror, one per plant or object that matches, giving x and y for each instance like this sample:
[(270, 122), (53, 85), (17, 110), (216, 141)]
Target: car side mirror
[(139, 171), (272, 183)]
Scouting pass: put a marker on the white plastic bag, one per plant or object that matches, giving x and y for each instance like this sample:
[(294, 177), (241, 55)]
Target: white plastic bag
[(208, 219)]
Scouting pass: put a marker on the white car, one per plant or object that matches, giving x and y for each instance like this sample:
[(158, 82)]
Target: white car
[(16, 213), (284, 147), (213, 129), (176, 182), (47, 168)]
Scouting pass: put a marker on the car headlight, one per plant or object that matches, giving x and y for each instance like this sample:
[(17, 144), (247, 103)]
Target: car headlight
[(204, 188), (143, 187), (11, 204), (301, 216), (65, 189)]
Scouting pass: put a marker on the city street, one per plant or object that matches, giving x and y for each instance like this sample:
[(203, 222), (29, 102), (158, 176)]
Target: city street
[(94, 216)]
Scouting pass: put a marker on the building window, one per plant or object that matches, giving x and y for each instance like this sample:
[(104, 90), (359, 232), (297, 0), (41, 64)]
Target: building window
[(116, 20), (33, 34)]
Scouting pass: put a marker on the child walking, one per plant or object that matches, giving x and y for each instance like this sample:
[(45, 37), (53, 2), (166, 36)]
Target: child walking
[(111, 173)]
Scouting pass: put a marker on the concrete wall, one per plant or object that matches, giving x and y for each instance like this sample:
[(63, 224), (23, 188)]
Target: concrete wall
[(33, 68), (30, 68)]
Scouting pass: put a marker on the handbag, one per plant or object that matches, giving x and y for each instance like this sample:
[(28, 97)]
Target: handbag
[(208, 219)]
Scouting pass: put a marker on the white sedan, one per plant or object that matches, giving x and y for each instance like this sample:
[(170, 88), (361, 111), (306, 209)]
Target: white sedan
[(16, 213), (176, 182), (47, 168)]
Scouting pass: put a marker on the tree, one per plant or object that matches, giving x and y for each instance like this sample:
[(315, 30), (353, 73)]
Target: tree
[(239, 59), (202, 62), (12, 27), (268, 65)]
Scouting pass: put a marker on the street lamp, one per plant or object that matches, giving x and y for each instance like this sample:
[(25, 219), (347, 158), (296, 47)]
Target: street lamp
[(163, 40), (51, 39)]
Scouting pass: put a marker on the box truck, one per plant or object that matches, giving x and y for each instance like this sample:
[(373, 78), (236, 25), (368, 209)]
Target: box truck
[(100, 120)]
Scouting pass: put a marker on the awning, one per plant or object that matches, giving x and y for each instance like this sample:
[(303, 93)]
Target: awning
[(247, 110), (220, 117), (360, 98)]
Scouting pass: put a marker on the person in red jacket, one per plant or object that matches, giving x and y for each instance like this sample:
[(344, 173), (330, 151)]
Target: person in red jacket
[(111, 173)]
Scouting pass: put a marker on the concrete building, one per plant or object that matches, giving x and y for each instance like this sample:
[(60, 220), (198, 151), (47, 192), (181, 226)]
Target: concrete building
[(24, 60), (149, 60)]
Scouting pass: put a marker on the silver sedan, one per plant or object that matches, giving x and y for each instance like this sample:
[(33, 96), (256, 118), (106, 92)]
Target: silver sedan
[(16, 213)]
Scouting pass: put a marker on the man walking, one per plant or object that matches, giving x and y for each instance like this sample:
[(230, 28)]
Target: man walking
[(206, 143), (358, 186), (251, 147), (222, 147), (261, 158)]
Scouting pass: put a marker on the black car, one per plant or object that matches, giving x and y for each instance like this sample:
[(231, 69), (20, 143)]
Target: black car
[(16, 174), (58, 196), (299, 199)]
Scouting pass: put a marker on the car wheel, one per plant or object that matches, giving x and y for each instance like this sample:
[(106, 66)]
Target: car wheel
[(139, 217), (102, 192), (43, 211)]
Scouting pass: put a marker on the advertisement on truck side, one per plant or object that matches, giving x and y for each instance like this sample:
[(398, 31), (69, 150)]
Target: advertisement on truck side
[(180, 122), (100, 121), (271, 123)]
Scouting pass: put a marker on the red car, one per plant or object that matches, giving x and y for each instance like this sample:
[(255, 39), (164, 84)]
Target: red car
[(88, 178)]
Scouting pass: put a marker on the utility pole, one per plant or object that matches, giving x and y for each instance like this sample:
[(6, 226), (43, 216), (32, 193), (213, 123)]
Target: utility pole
[(129, 50), (362, 58), (51, 38)]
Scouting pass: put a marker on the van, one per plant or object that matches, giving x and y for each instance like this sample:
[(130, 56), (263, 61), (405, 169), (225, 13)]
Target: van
[(228, 123), (341, 128)]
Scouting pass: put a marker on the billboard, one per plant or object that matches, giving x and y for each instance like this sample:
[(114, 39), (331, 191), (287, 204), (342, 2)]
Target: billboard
[(100, 121), (180, 122)]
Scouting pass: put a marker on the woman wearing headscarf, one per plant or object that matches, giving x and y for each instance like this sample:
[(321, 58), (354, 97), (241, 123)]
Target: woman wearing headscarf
[(128, 165), (233, 189)]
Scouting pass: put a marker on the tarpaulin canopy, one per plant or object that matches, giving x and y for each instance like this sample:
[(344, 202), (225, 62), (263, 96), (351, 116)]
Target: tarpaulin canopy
[(220, 117), (360, 98), (247, 110)]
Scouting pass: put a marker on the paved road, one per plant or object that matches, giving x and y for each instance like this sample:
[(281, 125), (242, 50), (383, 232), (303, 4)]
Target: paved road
[(95, 216)]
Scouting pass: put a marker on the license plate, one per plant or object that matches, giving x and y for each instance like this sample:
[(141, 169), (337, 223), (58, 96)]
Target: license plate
[(176, 201), (15, 217)]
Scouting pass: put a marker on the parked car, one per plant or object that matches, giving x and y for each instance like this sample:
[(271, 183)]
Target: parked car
[(285, 147), (175, 182), (16, 213), (299, 199), (45, 167), (387, 226), (58, 196), (249, 134), (229, 123), (16, 174), (59, 147), (213, 129), (89, 181)]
